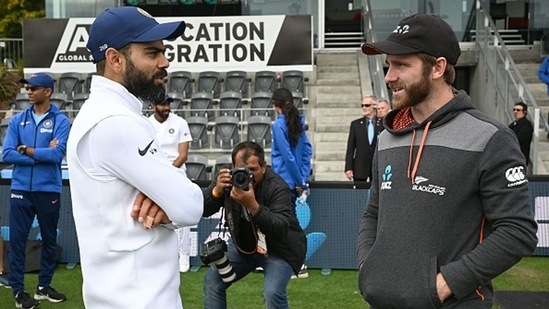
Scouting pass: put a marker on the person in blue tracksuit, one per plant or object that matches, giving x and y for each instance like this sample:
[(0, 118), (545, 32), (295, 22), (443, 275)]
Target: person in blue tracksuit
[(35, 144), (291, 150)]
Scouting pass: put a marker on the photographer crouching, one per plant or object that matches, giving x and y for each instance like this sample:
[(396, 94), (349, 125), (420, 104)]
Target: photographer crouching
[(263, 225)]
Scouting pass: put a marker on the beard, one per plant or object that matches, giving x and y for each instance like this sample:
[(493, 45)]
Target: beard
[(142, 86), (414, 93)]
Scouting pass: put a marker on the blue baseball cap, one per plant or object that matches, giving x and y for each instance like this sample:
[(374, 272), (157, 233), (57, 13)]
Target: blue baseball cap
[(117, 27), (39, 80)]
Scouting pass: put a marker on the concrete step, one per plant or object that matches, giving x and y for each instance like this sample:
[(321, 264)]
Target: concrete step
[(334, 81), (347, 69), (330, 59), (328, 137), (331, 176), (334, 128), (344, 101), (338, 112), (331, 146), (331, 166), (330, 156)]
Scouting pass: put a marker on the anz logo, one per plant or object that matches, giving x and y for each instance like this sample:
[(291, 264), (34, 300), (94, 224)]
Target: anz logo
[(386, 178)]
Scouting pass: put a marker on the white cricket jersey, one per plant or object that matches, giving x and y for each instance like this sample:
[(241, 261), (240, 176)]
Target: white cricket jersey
[(113, 155), (170, 133)]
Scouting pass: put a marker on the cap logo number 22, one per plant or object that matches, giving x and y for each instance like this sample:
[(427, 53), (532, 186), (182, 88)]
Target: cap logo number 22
[(402, 29)]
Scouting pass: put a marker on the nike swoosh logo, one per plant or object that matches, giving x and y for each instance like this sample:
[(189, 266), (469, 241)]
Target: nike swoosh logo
[(54, 201), (144, 151)]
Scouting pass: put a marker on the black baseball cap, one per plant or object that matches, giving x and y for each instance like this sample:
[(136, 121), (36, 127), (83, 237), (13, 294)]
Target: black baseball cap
[(419, 33), (167, 99)]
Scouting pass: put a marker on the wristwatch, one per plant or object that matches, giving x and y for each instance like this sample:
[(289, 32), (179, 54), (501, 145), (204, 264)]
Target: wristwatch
[(23, 149)]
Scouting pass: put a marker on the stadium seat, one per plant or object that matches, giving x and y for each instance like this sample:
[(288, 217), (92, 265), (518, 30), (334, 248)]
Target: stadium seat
[(226, 133), (182, 82), (22, 101), (298, 101), (198, 126), (209, 81), (222, 161), (294, 81), (261, 104), (77, 102), (178, 101), (259, 130), (70, 83), (266, 81), (59, 100), (197, 167), (87, 82), (237, 81), (230, 104), (202, 105)]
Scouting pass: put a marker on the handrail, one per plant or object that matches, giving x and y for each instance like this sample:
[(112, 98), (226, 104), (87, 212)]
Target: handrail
[(375, 62), (490, 44)]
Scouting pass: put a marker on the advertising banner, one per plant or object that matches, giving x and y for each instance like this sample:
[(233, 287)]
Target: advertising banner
[(246, 43)]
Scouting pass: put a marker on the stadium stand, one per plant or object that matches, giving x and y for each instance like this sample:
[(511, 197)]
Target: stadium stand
[(294, 81), (178, 103), (182, 82), (202, 105), (230, 103), (21, 101), (199, 132), (70, 83), (77, 102), (59, 100), (87, 82), (265, 81), (222, 161), (261, 104), (197, 167), (226, 132), (259, 130), (209, 81), (237, 81)]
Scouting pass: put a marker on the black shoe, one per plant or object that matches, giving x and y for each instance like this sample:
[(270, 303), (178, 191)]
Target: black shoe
[(50, 294), (23, 300)]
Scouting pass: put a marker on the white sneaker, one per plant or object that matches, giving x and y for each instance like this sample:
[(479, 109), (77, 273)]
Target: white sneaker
[(303, 273), (184, 263)]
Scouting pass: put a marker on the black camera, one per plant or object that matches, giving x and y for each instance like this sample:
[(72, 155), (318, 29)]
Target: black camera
[(241, 177), (213, 252)]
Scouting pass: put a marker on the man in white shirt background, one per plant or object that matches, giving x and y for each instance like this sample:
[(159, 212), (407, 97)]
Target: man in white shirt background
[(173, 136)]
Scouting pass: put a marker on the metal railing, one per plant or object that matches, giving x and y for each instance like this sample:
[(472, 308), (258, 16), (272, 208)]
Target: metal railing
[(508, 83), (11, 52), (375, 62)]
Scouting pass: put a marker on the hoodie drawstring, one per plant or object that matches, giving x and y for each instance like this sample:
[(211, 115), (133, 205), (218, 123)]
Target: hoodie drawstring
[(412, 174)]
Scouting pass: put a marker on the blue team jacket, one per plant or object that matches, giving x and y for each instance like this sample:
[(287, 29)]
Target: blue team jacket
[(42, 172)]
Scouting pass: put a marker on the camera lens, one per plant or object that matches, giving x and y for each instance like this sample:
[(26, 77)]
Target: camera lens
[(225, 269), (240, 178)]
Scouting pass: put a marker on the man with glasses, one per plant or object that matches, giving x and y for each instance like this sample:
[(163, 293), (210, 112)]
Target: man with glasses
[(35, 144), (523, 128), (362, 143)]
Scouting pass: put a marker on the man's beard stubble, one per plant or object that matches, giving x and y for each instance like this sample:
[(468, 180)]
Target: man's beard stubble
[(142, 86), (414, 93)]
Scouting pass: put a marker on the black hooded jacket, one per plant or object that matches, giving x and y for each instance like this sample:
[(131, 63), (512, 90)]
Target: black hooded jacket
[(276, 219)]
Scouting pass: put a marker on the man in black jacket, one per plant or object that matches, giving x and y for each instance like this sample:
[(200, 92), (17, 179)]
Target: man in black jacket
[(361, 143), (263, 225), (523, 129)]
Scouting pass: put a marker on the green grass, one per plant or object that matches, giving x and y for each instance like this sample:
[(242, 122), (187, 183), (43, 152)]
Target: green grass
[(337, 290)]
